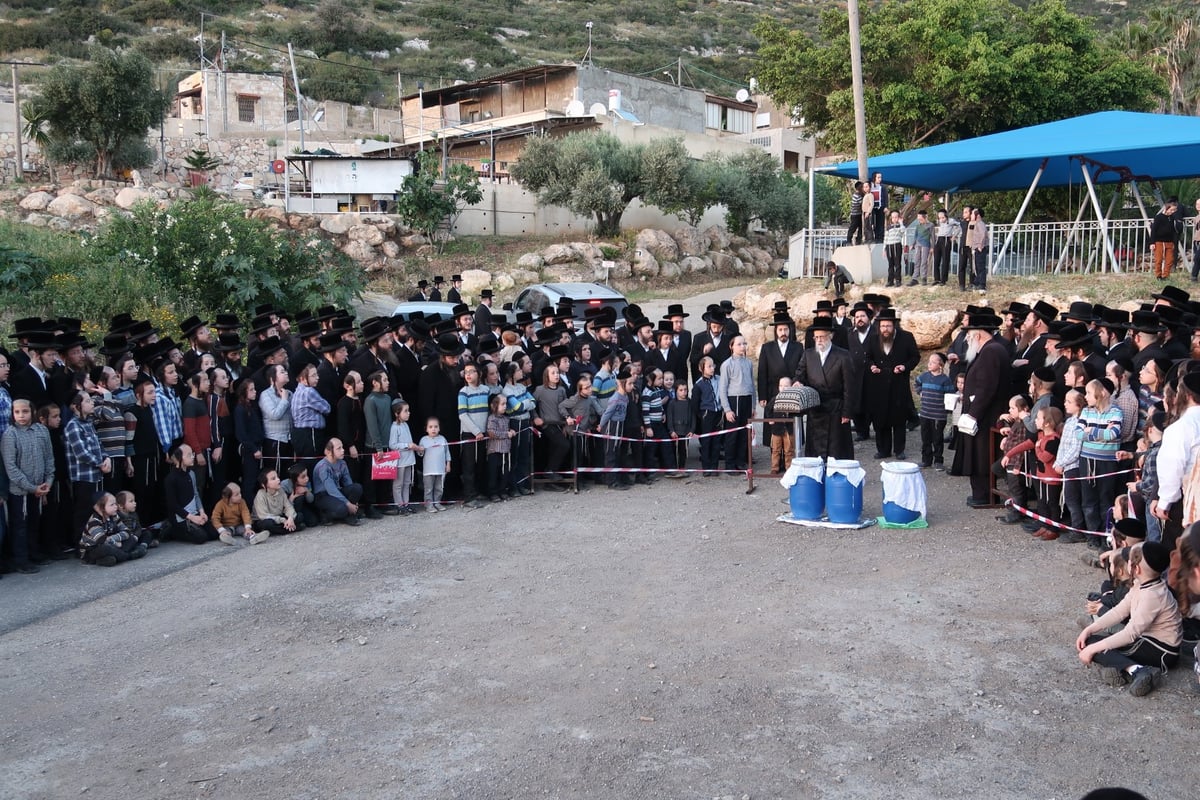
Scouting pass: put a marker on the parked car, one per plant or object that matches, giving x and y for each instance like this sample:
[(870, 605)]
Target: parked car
[(585, 295), (428, 309)]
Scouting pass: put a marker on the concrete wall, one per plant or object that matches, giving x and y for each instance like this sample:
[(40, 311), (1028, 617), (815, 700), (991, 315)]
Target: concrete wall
[(653, 102), (512, 210)]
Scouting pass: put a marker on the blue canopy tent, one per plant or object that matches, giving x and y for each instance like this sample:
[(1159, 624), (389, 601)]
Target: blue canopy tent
[(1106, 147)]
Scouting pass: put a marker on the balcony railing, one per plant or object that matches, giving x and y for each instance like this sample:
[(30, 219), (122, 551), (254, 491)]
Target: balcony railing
[(1036, 248)]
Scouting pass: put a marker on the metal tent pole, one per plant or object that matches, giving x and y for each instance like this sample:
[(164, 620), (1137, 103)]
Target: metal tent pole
[(1012, 231), (1108, 248)]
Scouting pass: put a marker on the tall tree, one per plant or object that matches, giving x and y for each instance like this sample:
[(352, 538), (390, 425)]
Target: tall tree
[(1169, 40), (942, 70), (107, 105), (426, 200)]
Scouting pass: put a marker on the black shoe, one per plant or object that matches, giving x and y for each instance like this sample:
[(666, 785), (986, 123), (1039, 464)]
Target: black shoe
[(1071, 537), (106, 561), (1142, 682), (61, 556), (879, 456), (353, 521), (973, 503), (619, 486), (939, 465), (901, 455), (1012, 518), (28, 569), (390, 511), (373, 514), (862, 438), (926, 464)]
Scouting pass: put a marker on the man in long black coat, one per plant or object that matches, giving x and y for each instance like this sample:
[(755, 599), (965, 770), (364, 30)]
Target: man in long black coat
[(985, 398), (830, 370), (777, 359), (892, 355)]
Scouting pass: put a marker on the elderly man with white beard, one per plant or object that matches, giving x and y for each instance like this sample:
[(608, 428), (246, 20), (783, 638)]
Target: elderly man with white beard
[(985, 396), (830, 370)]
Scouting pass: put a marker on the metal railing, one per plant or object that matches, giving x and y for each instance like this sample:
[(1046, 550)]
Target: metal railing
[(1036, 248)]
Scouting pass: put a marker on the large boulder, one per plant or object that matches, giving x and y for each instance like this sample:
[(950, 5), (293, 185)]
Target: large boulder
[(559, 254), (130, 196), (694, 264), (718, 237), (668, 269), (38, 220), (531, 261), (367, 234), (931, 329), (622, 269), (361, 252), (104, 196), (339, 224), (645, 265), (658, 244), (524, 277), (302, 222), (723, 262), (36, 201), (71, 206), (390, 249), (691, 241), (274, 214), (475, 280)]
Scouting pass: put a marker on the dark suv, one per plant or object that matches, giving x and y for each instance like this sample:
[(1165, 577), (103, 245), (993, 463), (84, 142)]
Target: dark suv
[(585, 295)]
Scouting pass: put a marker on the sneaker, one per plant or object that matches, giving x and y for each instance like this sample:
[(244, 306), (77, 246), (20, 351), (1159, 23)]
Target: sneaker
[(496, 498), (139, 551), (104, 561), (259, 537), (1090, 559), (153, 544), (352, 520), (439, 506), (1142, 682), (226, 538), (390, 511), (432, 509), (620, 487), (1071, 537), (940, 465), (373, 513)]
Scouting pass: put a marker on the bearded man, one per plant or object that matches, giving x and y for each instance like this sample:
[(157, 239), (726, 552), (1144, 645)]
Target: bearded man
[(985, 397), (892, 354), (830, 370)]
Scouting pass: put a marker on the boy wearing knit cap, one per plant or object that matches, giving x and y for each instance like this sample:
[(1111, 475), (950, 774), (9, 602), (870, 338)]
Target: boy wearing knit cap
[(1148, 645)]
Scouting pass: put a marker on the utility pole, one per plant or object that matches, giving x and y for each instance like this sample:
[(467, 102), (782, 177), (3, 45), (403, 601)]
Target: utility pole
[(856, 72), (299, 97), (224, 86), (20, 170)]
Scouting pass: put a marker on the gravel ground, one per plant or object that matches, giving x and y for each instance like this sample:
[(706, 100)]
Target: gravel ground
[(669, 641)]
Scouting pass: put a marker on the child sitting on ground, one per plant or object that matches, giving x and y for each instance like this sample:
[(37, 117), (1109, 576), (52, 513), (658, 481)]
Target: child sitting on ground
[(300, 494), (105, 541), (273, 511), (783, 445), (1148, 645), (231, 517), (127, 511), (933, 385)]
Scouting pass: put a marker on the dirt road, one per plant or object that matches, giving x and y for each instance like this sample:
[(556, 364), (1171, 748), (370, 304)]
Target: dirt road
[(670, 641)]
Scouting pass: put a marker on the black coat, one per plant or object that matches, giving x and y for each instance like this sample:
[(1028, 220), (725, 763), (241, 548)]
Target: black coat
[(1035, 357), (773, 365), (673, 361), (719, 354), (483, 320), (888, 394), (836, 382), (985, 397), (437, 396)]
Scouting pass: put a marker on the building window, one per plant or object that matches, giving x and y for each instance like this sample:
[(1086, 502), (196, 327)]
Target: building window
[(246, 105), (723, 118)]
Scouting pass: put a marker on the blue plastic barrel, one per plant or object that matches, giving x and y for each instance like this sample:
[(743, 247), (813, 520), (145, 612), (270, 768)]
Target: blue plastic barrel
[(843, 500), (899, 515), (907, 474), (807, 495)]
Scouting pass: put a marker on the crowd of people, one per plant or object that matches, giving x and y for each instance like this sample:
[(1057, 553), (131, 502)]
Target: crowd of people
[(1085, 418)]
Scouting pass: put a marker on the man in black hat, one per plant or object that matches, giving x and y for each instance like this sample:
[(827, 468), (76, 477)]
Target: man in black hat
[(965, 259), (455, 293), (666, 356), (309, 331), (33, 382), (1147, 330), (627, 333), (435, 295), (228, 351), (1075, 344), (830, 370), (437, 392), (824, 310), (892, 355), (407, 360), (1033, 355), (422, 293), (682, 337), (483, 317), (465, 321), (856, 340), (985, 397), (777, 359), (643, 339), (331, 372), (713, 342)]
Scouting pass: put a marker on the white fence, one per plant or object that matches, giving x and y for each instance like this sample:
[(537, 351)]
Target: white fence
[(1040, 247)]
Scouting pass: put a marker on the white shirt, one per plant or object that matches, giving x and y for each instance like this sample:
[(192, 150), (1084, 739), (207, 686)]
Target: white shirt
[(1176, 456)]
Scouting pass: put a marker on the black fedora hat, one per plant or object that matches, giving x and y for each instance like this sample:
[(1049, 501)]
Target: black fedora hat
[(373, 329), (559, 351), (460, 310), (120, 323), (261, 324), (665, 328), (308, 329), (141, 330), (488, 343), (1114, 319), (456, 278), (824, 307), (27, 325), (325, 313), (1074, 335), (886, 314), (675, 310), (547, 335), (228, 343), (190, 325), (1174, 296), (114, 345), (1016, 309), (1080, 311), (1044, 311), (983, 322), (419, 328), (485, 294), (631, 312), (230, 322), (838, 302), (269, 346), (524, 318), (422, 284), (438, 280), (265, 309), (450, 345), (821, 324), (331, 342), (782, 318), (1146, 322), (41, 340), (882, 300), (342, 324)]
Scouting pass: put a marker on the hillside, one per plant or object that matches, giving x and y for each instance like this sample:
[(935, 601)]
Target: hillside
[(433, 41)]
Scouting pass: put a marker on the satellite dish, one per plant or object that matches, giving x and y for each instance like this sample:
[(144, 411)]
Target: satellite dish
[(742, 95), (575, 108), (598, 110)]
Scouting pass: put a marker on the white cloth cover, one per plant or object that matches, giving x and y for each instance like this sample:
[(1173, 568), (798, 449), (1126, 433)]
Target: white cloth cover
[(851, 469), (903, 487), (813, 468)]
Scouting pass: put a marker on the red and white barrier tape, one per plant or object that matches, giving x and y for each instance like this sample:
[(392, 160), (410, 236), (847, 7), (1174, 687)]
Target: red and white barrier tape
[(1047, 521), (1064, 479), (722, 432)]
